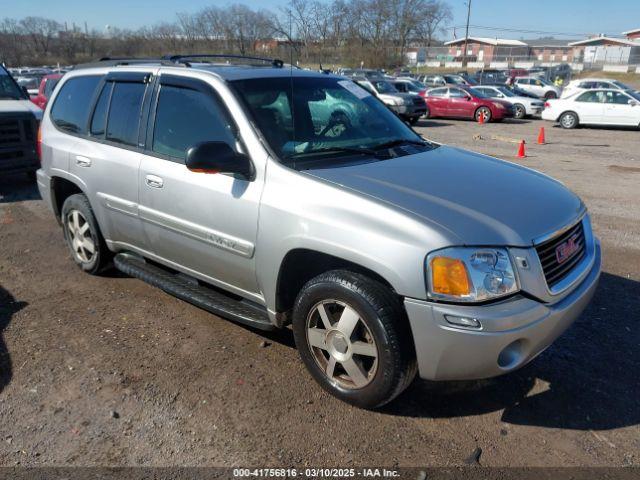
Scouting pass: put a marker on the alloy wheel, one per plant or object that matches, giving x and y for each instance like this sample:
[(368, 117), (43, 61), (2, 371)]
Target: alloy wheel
[(342, 344), (80, 237)]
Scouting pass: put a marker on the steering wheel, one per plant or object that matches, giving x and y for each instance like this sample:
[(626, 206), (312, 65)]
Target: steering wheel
[(339, 122)]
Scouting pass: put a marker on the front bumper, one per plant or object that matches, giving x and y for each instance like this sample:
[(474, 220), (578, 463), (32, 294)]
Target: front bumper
[(513, 332), (412, 110)]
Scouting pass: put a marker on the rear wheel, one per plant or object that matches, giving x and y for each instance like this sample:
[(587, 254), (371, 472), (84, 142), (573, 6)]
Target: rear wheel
[(550, 95), (353, 336), (83, 236), (568, 120), (519, 111), (414, 120), (486, 111)]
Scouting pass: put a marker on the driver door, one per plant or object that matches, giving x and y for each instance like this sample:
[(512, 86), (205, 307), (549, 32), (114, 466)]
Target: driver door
[(199, 223)]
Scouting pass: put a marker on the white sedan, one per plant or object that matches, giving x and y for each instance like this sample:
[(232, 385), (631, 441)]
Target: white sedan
[(522, 106), (576, 86), (595, 107)]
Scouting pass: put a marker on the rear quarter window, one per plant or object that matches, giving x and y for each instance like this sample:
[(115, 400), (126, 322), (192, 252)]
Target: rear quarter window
[(70, 112)]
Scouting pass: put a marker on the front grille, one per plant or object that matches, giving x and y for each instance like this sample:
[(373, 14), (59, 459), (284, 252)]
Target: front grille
[(10, 131), (555, 265)]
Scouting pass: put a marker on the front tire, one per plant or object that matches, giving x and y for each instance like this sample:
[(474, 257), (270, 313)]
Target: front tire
[(568, 120), (487, 114), (354, 338), (83, 236), (519, 111)]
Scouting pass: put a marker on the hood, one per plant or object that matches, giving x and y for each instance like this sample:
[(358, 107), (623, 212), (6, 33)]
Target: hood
[(20, 106), (479, 199), (406, 97)]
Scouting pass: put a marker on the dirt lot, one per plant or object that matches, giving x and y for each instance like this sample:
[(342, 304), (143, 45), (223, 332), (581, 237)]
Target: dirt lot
[(109, 371)]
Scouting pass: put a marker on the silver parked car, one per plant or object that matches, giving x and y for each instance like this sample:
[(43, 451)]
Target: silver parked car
[(274, 196)]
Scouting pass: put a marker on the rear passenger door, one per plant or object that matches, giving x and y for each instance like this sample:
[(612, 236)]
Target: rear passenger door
[(199, 223), (115, 152)]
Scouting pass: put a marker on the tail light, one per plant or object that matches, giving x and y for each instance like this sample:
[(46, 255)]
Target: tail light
[(39, 143), (422, 93), (547, 105)]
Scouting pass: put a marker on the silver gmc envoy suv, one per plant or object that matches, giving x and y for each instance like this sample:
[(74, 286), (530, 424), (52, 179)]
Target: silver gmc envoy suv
[(272, 196)]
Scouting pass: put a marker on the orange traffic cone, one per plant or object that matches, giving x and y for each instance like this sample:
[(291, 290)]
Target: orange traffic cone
[(481, 117), (521, 153), (541, 140)]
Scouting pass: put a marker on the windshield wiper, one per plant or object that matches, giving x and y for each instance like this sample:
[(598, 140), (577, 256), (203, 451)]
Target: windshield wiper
[(400, 141), (357, 150)]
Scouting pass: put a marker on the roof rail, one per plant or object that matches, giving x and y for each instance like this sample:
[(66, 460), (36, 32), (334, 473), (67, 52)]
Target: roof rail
[(184, 59), (113, 62)]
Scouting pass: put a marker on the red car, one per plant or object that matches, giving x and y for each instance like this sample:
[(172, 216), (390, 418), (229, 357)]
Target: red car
[(465, 102), (47, 84)]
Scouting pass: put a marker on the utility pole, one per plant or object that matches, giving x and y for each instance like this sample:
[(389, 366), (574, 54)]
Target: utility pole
[(466, 35)]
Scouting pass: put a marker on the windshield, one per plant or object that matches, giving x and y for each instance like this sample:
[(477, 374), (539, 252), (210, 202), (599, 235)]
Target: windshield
[(621, 85), (455, 79), (506, 92), (633, 94), (383, 86), (8, 88), (411, 87), (323, 116)]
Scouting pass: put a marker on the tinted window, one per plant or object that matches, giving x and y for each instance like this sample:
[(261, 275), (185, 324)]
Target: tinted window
[(591, 97), (617, 98), (186, 117), (100, 114), (70, 111), (124, 113)]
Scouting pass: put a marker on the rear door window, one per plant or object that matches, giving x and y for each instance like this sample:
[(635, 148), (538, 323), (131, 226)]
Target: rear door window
[(438, 92), (124, 112), (70, 112)]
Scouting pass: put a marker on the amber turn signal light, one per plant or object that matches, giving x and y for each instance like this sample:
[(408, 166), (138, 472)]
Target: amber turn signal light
[(449, 277)]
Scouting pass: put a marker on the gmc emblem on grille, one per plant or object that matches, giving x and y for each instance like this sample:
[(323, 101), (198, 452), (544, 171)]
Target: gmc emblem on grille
[(566, 249)]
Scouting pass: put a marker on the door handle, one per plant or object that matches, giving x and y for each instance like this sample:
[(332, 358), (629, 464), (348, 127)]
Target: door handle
[(83, 161), (154, 181)]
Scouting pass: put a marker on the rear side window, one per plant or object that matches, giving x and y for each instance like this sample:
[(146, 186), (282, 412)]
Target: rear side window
[(100, 114), (70, 111), (124, 113), (185, 117)]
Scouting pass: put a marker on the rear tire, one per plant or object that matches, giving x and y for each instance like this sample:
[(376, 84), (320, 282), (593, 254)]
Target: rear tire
[(550, 95), (519, 111), (413, 120), (568, 120), (354, 338), (82, 235)]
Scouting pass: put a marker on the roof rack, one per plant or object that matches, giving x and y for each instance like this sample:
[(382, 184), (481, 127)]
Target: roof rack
[(184, 59), (114, 62), (173, 60)]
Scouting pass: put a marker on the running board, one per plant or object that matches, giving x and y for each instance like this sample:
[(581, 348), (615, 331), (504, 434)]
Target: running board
[(187, 289)]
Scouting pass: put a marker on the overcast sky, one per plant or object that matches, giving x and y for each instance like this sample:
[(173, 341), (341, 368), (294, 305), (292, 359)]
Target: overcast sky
[(573, 16)]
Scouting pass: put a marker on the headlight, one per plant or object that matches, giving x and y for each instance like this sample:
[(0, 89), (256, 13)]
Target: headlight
[(465, 274), (498, 105), (396, 101)]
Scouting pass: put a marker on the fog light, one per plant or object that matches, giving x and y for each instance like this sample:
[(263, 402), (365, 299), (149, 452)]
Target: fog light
[(466, 322)]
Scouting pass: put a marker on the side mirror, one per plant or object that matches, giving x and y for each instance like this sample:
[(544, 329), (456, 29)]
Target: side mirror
[(218, 157)]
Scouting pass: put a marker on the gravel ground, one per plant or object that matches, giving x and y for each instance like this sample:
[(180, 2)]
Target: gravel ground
[(109, 371)]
